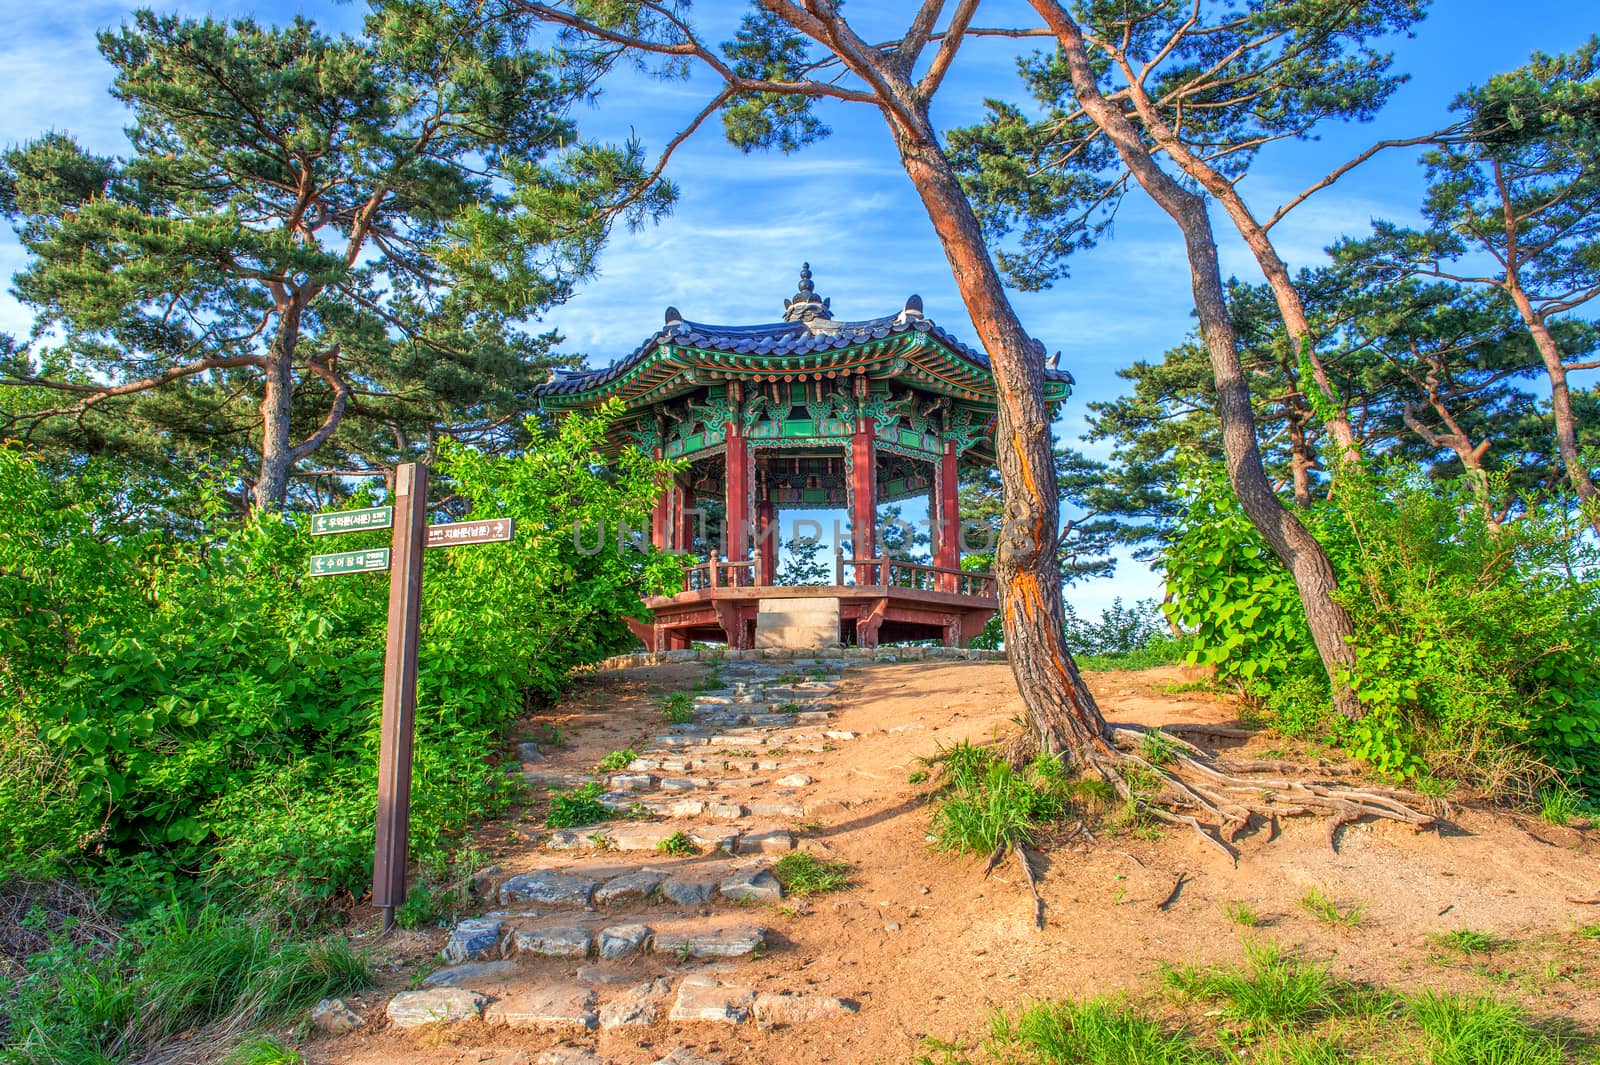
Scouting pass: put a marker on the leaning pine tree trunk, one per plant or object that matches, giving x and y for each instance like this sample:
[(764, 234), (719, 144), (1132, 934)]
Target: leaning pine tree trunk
[(1066, 720), (1305, 559)]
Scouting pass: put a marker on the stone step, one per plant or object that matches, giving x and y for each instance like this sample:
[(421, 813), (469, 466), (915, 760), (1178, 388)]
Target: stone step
[(734, 839)]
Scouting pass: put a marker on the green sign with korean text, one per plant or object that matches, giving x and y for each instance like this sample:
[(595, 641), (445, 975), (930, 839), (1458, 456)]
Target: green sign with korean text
[(343, 521), (350, 562)]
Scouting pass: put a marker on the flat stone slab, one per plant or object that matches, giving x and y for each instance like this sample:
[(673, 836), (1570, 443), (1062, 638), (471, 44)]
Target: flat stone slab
[(756, 884), (560, 1006), (775, 842), (705, 998), (733, 941), (630, 887), (794, 780), (638, 1006), (688, 889), (630, 782), (474, 938), (684, 783), (777, 809), (798, 1009), (638, 837), (440, 1005), (331, 1015), (470, 972), (708, 837), (553, 941), (548, 886), (623, 940)]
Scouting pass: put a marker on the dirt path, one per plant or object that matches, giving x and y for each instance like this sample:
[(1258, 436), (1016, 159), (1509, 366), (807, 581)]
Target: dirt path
[(922, 945)]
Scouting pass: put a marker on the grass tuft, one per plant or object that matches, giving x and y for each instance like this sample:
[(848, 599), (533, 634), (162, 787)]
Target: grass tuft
[(803, 874), (1101, 1031), (1463, 1030), (679, 708), (678, 844), (1241, 913), (1273, 988), (616, 761), (579, 806), (1317, 903), (1465, 941), (983, 801)]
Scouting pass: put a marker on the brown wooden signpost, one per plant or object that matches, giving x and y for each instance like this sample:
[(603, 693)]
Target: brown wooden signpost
[(403, 558)]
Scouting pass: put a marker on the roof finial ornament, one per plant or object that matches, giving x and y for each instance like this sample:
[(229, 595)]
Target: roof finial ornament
[(806, 306), (912, 310)]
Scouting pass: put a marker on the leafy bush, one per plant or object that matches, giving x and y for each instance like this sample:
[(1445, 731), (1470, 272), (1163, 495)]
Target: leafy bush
[(177, 694), (1475, 646)]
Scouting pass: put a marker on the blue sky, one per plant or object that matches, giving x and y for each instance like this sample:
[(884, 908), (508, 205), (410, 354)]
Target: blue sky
[(732, 248)]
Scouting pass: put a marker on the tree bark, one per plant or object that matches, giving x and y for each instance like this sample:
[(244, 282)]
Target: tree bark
[(1560, 402), (277, 406), (1290, 307), (1307, 562), (1065, 716)]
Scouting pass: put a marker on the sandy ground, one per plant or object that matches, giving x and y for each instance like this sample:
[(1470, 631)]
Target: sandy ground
[(966, 945)]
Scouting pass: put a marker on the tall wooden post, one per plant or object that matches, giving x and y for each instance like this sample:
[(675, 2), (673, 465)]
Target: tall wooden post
[(947, 551), (661, 513), (737, 509), (863, 498), (399, 689), (686, 503), (767, 537)]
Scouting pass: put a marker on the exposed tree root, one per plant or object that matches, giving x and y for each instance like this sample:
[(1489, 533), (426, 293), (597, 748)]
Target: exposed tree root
[(1193, 790), (1219, 799)]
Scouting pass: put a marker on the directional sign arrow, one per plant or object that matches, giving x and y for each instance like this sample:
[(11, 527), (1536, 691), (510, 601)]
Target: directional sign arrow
[(489, 531), (343, 521), (350, 562)]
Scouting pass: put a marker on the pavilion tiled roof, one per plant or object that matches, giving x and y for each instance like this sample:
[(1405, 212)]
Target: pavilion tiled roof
[(811, 330)]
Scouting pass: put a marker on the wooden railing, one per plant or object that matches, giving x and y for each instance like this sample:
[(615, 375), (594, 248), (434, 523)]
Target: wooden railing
[(719, 574), (899, 573), (881, 572)]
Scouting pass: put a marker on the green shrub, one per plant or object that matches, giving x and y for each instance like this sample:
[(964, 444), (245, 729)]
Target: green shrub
[(679, 708), (1475, 646), (616, 761), (182, 708)]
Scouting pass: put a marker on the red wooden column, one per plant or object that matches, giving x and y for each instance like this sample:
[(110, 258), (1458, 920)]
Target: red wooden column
[(863, 498), (661, 514), (947, 539), (737, 500), (767, 538), (686, 524)]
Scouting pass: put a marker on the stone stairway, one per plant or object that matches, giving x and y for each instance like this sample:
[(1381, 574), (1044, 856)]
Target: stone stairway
[(613, 930)]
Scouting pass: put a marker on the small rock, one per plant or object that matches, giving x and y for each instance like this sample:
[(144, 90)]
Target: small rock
[(331, 1015), (631, 887), (412, 1009), (483, 881), (456, 975), (705, 998), (798, 1009), (754, 883), (568, 1056), (547, 886), (622, 940), (794, 780), (554, 941), (529, 753), (684, 1056), (724, 811), (564, 1005), (638, 1006), (733, 941), (688, 890), (892, 926), (686, 808), (473, 938), (630, 782)]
